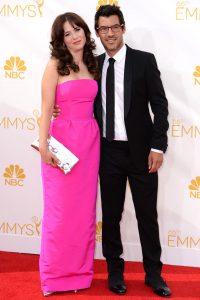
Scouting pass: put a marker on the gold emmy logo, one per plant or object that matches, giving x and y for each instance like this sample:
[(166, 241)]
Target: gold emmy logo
[(99, 231), (14, 68), (106, 2), (176, 239), (37, 223), (25, 229), (36, 114), (14, 175), (30, 9), (40, 3), (19, 123), (178, 129), (197, 75), (194, 188), (185, 12)]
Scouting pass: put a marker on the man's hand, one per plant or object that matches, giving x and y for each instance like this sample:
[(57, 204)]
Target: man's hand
[(154, 161), (56, 111)]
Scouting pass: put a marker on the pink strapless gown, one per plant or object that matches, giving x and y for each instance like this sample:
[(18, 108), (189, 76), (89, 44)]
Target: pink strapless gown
[(68, 229)]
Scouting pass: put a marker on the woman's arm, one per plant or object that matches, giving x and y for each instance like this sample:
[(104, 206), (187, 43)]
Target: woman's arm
[(49, 82)]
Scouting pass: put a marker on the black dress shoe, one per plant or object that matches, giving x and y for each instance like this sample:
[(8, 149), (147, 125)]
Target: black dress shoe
[(119, 289), (159, 286), (115, 275)]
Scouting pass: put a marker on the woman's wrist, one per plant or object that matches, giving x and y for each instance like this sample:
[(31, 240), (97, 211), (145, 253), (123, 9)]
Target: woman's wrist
[(43, 146)]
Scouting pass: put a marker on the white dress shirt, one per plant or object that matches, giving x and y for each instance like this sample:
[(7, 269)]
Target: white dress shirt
[(119, 129)]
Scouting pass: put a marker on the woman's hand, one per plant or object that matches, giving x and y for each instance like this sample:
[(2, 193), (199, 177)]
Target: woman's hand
[(48, 157)]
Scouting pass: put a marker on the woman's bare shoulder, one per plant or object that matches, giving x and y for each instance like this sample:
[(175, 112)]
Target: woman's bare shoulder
[(51, 73), (52, 63)]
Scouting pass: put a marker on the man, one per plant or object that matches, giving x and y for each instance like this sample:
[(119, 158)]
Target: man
[(132, 146)]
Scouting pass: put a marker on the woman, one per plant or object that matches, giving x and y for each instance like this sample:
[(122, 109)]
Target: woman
[(68, 230)]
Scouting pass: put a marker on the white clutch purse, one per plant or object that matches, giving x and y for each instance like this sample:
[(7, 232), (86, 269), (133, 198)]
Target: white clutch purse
[(66, 158)]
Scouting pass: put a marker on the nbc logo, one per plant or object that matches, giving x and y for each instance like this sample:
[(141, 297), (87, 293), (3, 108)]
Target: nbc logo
[(14, 68), (105, 2), (194, 188), (99, 231), (14, 175), (197, 75)]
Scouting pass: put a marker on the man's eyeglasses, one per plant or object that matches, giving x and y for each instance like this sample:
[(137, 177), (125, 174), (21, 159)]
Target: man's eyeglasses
[(115, 28)]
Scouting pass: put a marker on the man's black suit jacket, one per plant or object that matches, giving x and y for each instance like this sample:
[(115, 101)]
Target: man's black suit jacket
[(142, 87)]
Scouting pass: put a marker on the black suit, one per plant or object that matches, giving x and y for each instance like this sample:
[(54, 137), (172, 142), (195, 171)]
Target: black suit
[(121, 160)]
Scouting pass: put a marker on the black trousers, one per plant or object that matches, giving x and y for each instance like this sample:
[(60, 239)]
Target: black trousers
[(116, 167)]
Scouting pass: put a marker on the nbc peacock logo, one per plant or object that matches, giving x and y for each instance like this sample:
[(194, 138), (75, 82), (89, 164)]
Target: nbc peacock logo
[(14, 175), (99, 231), (14, 68), (106, 2), (194, 188), (196, 75)]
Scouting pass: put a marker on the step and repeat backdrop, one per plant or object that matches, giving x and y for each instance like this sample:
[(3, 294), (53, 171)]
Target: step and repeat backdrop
[(169, 29)]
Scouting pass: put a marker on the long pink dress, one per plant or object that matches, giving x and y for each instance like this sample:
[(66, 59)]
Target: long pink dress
[(68, 229)]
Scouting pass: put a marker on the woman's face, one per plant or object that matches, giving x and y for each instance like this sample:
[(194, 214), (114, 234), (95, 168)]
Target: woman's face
[(74, 37)]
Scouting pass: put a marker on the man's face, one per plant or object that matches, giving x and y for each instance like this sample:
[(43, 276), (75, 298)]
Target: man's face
[(113, 39)]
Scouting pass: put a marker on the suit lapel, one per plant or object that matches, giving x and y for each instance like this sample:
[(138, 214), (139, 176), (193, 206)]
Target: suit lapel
[(98, 100), (101, 60), (128, 74)]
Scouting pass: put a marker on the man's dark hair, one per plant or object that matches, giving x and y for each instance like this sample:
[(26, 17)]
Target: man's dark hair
[(107, 11)]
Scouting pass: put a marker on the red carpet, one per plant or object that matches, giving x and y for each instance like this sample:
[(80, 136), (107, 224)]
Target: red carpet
[(19, 279)]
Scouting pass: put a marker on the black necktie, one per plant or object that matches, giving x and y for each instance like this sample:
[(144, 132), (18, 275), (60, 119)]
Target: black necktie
[(110, 100)]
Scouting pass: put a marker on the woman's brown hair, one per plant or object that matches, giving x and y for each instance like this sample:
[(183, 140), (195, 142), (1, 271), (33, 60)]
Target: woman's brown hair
[(60, 51)]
